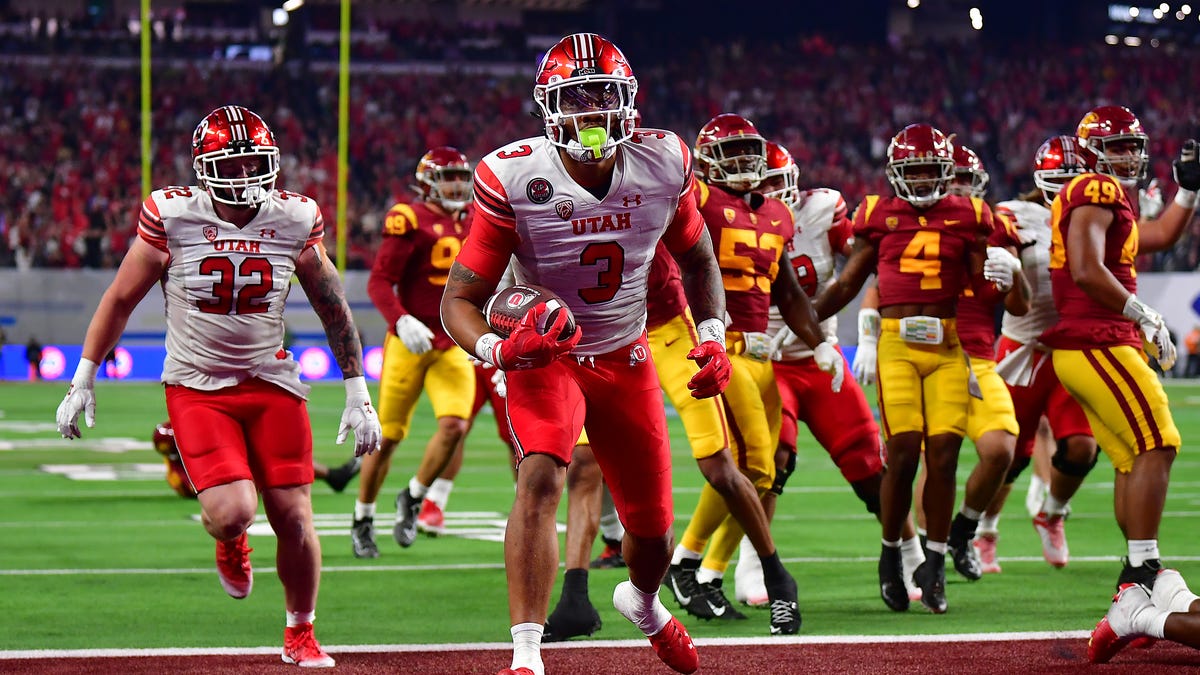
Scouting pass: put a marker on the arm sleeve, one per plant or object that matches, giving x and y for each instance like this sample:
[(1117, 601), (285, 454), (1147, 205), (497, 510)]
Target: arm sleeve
[(387, 274), (685, 228), (317, 233), (150, 225)]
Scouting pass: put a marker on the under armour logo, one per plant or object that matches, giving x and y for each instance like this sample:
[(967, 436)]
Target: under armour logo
[(266, 233), (631, 200)]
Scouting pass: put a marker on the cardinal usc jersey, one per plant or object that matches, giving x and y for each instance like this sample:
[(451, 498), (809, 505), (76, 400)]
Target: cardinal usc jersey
[(410, 270), (749, 234), (977, 316), (1084, 323), (822, 232), (595, 253), (1033, 219), (225, 287), (665, 299), (923, 253)]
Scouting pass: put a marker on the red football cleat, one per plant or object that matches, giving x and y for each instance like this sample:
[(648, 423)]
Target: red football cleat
[(233, 567), (675, 647), (431, 519), (301, 648)]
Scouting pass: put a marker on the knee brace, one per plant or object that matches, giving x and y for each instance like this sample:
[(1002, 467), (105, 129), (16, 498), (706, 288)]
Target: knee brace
[(1014, 470), (1068, 466), (782, 473)]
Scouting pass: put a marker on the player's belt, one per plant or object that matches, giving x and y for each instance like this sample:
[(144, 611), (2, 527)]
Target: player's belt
[(926, 330)]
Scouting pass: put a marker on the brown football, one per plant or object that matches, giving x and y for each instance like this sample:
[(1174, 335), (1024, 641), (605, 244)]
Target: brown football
[(508, 306)]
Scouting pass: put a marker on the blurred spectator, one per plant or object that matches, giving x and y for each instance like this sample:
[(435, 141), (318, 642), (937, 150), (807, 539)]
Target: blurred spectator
[(1191, 344), (33, 355)]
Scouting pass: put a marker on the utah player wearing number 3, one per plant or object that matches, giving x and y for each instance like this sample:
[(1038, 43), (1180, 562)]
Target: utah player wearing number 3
[(225, 252), (926, 246), (580, 212)]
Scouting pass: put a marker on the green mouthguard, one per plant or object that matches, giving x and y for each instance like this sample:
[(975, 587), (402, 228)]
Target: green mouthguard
[(593, 138)]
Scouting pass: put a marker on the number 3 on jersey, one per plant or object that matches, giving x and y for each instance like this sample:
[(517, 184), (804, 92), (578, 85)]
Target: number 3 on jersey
[(921, 256)]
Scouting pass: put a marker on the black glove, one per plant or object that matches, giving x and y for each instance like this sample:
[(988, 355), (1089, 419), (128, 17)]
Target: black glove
[(1187, 168)]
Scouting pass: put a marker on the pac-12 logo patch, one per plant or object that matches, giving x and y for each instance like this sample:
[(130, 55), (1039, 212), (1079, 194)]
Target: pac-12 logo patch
[(539, 190), (210, 232), (565, 208)]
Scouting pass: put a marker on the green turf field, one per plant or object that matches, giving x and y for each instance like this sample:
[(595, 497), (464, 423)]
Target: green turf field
[(123, 563)]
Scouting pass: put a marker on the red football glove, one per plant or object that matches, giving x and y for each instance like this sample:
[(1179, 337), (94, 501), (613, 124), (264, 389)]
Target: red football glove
[(526, 348), (714, 370)]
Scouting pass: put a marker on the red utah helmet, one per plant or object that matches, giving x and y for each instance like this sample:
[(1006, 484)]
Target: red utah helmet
[(444, 177), (584, 79), (920, 164), (226, 135), (970, 178), (1112, 142), (730, 152), (1056, 162), (164, 443), (783, 176)]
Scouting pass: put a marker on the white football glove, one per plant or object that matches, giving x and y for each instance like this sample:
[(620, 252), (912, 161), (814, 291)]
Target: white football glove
[(1155, 338), (783, 339), (1150, 201), (758, 346), (1001, 267), (81, 397), (829, 360), (415, 335), (866, 354), (500, 384), (359, 417)]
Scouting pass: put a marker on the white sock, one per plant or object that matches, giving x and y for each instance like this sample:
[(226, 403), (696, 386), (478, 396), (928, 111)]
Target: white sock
[(527, 647), (1053, 507), (439, 492), (990, 524), (362, 510), (1141, 550), (911, 553), (970, 513), (682, 554), (296, 618), (936, 546), (706, 575), (610, 522), (417, 489), (649, 614)]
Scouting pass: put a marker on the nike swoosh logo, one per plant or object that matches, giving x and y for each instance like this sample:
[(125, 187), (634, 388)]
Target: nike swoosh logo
[(668, 343), (683, 599), (717, 611), (952, 222)]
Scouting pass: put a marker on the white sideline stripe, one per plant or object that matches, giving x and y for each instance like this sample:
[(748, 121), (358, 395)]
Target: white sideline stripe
[(505, 646), (168, 571)]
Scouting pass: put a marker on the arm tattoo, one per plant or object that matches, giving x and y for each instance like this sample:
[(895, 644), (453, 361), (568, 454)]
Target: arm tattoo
[(324, 289), (702, 283)]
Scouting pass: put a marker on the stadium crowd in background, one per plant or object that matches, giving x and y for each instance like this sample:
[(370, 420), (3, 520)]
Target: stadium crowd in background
[(69, 168)]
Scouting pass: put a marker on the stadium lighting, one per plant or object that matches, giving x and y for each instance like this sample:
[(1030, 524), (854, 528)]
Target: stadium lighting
[(976, 18), (1186, 9), (1158, 13), (279, 17), (1133, 41), (913, 4), (1164, 8), (1134, 11), (1180, 16), (1111, 39), (293, 5)]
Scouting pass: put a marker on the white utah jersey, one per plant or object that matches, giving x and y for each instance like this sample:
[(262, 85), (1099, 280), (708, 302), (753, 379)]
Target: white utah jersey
[(1032, 219), (225, 287), (594, 253), (820, 218)]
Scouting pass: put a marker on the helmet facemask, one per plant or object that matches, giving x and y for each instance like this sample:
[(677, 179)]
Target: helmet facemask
[(782, 184), (921, 181), (451, 186), (221, 173), (738, 162), (1122, 156), (598, 109), (968, 182)]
